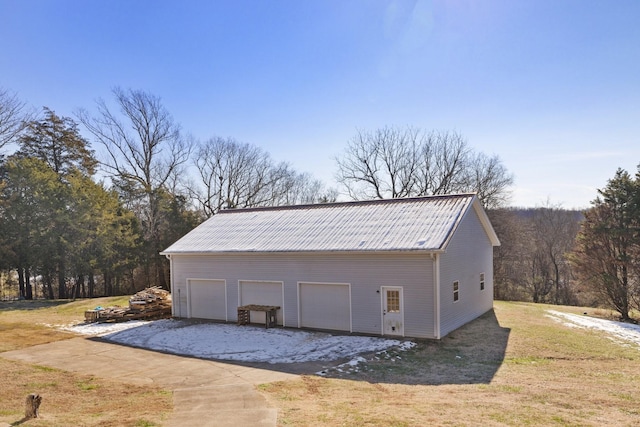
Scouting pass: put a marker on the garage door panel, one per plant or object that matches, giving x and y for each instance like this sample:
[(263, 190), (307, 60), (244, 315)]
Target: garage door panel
[(262, 293), (207, 299), (325, 306)]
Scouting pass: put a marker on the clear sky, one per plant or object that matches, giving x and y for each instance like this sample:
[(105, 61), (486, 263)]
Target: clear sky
[(550, 86)]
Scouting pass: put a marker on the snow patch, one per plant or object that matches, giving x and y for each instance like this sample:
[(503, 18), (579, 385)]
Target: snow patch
[(100, 329), (615, 330), (239, 343)]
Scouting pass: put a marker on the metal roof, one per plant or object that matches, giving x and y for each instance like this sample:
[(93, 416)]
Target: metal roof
[(424, 223)]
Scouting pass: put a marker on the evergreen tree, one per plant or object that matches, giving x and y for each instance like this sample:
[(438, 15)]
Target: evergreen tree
[(57, 141), (30, 203), (55, 221), (105, 235), (608, 246)]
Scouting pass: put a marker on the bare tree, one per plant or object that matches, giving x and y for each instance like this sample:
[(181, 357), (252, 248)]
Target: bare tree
[(393, 163), (143, 142), (232, 175), (302, 188), (13, 117), (380, 164), (145, 152), (444, 159), (487, 176), (555, 235), (532, 262), (511, 258), (240, 175)]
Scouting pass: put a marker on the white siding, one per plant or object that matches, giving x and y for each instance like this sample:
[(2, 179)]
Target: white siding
[(365, 272), (468, 254)]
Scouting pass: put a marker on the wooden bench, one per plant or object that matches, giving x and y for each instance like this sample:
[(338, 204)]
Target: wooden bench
[(270, 311)]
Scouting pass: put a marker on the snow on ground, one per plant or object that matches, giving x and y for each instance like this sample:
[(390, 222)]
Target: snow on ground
[(616, 330), (239, 343), (100, 329)]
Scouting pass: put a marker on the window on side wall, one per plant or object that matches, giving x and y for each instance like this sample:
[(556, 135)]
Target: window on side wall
[(456, 291), (482, 281)]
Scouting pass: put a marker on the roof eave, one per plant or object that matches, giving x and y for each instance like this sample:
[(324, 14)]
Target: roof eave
[(338, 251)]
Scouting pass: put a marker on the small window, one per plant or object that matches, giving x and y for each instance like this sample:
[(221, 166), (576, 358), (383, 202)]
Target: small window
[(456, 291), (393, 301), (482, 281)]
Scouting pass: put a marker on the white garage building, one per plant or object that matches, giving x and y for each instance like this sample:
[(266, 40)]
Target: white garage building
[(417, 267)]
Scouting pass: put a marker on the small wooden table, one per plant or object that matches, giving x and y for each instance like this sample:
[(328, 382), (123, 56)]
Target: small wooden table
[(270, 312)]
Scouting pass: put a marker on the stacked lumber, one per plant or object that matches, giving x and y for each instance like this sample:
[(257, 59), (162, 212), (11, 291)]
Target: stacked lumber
[(150, 303)]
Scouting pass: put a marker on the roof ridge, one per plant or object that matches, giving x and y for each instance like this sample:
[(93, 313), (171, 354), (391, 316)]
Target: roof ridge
[(347, 203)]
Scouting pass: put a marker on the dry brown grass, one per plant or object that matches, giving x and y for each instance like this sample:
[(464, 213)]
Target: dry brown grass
[(68, 399), (78, 400), (514, 366), (24, 323)]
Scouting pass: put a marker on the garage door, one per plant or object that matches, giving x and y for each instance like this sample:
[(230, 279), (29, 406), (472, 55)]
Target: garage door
[(207, 299), (325, 306), (261, 293)]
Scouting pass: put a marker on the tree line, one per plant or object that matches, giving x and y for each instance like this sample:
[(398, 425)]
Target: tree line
[(74, 223)]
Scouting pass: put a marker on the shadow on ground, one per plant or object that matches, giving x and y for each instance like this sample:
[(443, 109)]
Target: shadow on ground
[(471, 354)]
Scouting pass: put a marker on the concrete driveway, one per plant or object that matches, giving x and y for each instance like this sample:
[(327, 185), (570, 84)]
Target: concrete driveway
[(205, 393)]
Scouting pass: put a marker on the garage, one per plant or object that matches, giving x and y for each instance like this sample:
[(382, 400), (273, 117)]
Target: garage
[(325, 306), (207, 299), (379, 267), (261, 293)]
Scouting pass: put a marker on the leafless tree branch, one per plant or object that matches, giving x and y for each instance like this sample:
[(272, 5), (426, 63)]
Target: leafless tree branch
[(393, 162), (13, 117)]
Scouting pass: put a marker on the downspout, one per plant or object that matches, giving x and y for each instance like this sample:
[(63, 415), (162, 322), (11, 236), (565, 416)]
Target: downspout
[(173, 300), (436, 295)]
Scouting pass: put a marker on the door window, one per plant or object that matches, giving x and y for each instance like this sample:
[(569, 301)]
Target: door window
[(393, 301)]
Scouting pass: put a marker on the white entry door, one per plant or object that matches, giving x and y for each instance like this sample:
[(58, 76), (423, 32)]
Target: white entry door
[(392, 311)]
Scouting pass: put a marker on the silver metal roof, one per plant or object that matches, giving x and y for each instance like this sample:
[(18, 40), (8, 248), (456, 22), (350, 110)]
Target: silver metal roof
[(424, 223)]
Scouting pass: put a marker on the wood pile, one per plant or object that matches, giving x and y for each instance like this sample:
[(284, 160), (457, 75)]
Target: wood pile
[(150, 303)]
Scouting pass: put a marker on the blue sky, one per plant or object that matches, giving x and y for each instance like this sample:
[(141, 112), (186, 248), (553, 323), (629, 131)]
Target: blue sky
[(551, 86)]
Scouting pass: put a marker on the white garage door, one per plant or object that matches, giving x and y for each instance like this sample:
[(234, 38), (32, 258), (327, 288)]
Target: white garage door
[(261, 293), (207, 299), (325, 306)]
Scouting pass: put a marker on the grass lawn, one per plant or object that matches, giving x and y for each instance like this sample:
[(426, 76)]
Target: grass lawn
[(514, 366), (68, 399)]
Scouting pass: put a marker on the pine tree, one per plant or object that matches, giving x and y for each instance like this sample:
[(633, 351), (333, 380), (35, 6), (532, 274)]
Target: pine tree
[(608, 245)]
